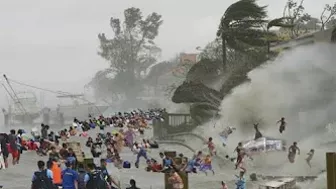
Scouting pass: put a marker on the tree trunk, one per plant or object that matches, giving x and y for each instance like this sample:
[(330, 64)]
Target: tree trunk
[(224, 52), (333, 36)]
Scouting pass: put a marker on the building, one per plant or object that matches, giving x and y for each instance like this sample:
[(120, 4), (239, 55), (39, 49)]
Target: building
[(188, 57)]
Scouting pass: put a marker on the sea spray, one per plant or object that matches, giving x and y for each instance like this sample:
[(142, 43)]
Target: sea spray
[(299, 85), (300, 82)]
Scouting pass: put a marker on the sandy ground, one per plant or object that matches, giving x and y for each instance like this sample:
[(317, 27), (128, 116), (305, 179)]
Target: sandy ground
[(19, 177)]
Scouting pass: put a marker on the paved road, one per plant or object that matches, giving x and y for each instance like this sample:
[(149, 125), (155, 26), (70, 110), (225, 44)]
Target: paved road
[(19, 177)]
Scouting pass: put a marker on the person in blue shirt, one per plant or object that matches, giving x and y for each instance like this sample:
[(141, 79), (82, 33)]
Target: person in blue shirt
[(167, 162), (241, 183), (191, 166), (69, 177), (141, 153), (40, 175)]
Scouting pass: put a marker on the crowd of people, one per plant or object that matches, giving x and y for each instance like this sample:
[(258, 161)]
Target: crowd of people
[(53, 144), (107, 146)]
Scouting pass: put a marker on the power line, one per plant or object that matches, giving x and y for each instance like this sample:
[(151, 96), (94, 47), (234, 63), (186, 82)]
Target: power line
[(10, 94), (39, 88), (17, 98), (54, 92)]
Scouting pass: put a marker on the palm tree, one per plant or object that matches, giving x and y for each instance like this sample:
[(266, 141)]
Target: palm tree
[(240, 25), (277, 22)]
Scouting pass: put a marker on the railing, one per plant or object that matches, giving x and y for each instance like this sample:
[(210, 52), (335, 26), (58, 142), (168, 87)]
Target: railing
[(172, 124), (179, 119)]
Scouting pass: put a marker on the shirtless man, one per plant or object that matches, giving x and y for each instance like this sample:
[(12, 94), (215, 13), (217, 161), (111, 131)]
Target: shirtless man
[(211, 147), (239, 149), (310, 156), (292, 152), (283, 124)]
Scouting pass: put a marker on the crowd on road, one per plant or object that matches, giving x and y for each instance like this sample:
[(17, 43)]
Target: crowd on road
[(63, 169), (54, 146), (124, 130)]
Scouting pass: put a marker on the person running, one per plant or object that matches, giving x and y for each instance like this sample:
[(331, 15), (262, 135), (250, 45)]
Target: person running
[(225, 134), (12, 138), (283, 124), (211, 147), (239, 149), (206, 165), (141, 152), (292, 152), (310, 156), (257, 131), (224, 185)]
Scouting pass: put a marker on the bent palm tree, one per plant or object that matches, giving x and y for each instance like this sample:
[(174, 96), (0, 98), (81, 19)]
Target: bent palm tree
[(239, 28), (277, 22)]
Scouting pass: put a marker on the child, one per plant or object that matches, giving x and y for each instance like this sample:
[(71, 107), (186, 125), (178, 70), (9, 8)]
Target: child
[(310, 156), (224, 185), (206, 165), (211, 147)]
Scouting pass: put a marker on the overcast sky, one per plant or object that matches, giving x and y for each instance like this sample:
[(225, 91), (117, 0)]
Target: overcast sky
[(55, 43)]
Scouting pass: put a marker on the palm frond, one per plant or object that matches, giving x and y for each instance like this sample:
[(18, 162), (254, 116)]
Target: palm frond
[(279, 22), (244, 9), (247, 23)]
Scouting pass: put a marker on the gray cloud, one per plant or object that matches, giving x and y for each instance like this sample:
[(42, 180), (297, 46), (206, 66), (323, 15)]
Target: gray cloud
[(57, 40)]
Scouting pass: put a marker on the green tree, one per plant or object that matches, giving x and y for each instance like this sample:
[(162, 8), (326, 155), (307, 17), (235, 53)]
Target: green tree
[(327, 14), (107, 84), (331, 23), (131, 50), (239, 27), (212, 51), (295, 16)]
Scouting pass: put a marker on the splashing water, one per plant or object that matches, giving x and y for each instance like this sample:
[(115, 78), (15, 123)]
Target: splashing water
[(299, 85)]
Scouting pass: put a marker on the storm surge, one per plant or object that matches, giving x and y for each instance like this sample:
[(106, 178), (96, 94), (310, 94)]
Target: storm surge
[(299, 85)]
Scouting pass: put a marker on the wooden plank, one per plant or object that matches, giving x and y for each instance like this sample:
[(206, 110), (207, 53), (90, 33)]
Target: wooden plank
[(331, 167)]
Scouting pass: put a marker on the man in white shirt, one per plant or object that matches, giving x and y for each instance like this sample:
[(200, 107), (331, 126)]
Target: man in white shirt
[(225, 134)]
